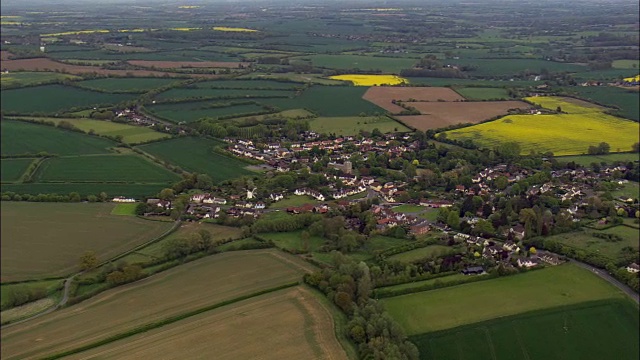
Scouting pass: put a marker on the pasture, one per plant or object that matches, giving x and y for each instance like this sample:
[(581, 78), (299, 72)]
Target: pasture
[(590, 331), (383, 96), (104, 168), (370, 80), (63, 233), (293, 241), (27, 78), (248, 84), (299, 327), (555, 132), (12, 169), (583, 240), (213, 93), (292, 201), (26, 138), (125, 84), (625, 64), (382, 291), (201, 283), (352, 125), (587, 160), (55, 98), (194, 111), (454, 306), (483, 93), (441, 114), (125, 209), (430, 251), (502, 67), (409, 208), (197, 155), (381, 243)]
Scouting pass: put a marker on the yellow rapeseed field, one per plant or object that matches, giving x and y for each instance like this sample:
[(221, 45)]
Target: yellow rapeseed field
[(632, 79), (563, 134), (79, 32), (371, 80), (224, 28), (185, 29)]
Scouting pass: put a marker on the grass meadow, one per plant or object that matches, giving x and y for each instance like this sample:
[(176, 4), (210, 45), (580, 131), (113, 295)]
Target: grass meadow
[(194, 111), (197, 155), (63, 233), (248, 85), (202, 283), (130, 134), (583, 240), (20, 138), (589, 331), (27, 78), (293, 241), (55, 98), (125, 209), (454, 306), (562, 134), (421, 253), (13, 169), (352, 125), (587, 160)]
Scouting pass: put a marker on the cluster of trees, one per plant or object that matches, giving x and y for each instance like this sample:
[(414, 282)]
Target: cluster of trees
[(17, 295), (602, 149), (195, 242), (284, 224), (376, 334), (71, 197), (124, 274)]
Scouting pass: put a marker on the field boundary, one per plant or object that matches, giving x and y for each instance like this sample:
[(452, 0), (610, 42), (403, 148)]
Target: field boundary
[(167, 321)]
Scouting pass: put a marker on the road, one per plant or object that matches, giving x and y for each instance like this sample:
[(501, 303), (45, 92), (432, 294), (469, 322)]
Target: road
[(603, 274)]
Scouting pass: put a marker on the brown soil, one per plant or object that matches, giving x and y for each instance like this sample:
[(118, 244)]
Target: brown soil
[(187, 64), (383, 95), (437, 115), (5, 55)]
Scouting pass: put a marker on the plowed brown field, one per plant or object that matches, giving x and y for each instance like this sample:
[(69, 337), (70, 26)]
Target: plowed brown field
[(383, 95)]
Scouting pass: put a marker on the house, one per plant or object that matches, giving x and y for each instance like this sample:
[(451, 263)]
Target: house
[(550, 259), (420, 229), (475, 270), (528, 262), (259, 205), (511, 246), (276, 197), (518, 231), (633, 268)]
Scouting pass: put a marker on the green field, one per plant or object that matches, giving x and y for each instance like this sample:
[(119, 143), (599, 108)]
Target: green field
[(104, 168), (455, 306), (555, 132), (18, 79), (502, 67), (418, 284), (248, 84), (329, 101), (584, 240), (627, 100), (587, 160), (21, 137), (625, 64), (381, 243), (130, 134), (111, 189), (293, 201), (12, 169), (189, 93), (194, 111), (300, 78), (55, 98), (421, 253), (197, 155), (293, 241), (125, 209), (48, 285), (126, 84), (369, 63), (591, 331), (352, 125), (483, 93), (409, 208), (630, 190), (41, 240)]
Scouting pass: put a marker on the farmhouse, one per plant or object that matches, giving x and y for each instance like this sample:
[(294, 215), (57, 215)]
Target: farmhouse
[(633, 268), (528, 262)]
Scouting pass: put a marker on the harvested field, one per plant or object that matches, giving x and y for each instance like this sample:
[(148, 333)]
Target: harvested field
[(382, 96), (188, 64), (287, 324), (192, 286), (44, 64), (441, 114)]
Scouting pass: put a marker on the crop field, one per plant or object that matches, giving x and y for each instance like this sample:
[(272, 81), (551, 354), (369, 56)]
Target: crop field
[(197, 155), (104, 168), (248, 84), (125, 84), (441, 114), (454, 306), (583, 240), (385, 64), (12, 169), (31, 78), (382, 96), (84, 189), (194, 111), (22, 137), (625, 64), (352, 125), (421, 253), (300, 78), (628, 101), (203, 282), (556, 132), (370, 80), (493, 67), (483, 93), (187, 64), (293, 241), (300, 327), (130, 134), (125, 209), (188, 93), (592, 331), (417, 284), (54, 98), (587, 160), (65, 232), (329, 101)]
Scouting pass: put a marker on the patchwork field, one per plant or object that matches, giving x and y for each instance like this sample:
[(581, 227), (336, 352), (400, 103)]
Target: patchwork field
[(483, 93), (201, 283), (385, 64), (354, 124), (197, 155), (54, 98), (247, 84), (63, 233), (197, 110), (187, 64), (193, 93), (370, 80), (16, 79), (470, 303), (441, 114), (111, 189), (627, 101), (382, 96), (287, 324), (125, 84), (556, 133), (591, 331), (104, 168), (12, 169), (21, 137)]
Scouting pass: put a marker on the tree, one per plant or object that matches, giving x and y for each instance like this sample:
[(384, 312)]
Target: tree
[(532, 250), (453, 219), (166, 194), (88, 260), (509, 151)]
